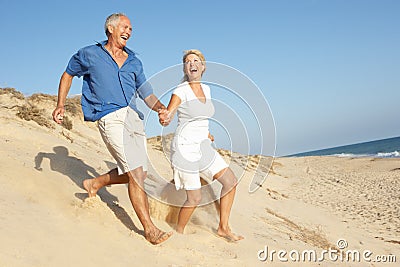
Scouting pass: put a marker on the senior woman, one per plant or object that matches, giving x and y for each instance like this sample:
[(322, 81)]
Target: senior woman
[(191, 150)]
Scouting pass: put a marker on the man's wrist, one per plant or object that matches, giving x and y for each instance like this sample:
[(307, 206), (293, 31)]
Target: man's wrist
[(160, 106)]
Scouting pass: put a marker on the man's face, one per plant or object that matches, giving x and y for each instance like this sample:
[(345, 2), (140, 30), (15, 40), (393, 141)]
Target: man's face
[(122, 32)]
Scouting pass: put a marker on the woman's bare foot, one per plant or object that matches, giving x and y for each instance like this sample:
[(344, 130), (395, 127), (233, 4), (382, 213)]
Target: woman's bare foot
[(187, 231), (179, 230), (157, 237), (228, 235), (88, 185)]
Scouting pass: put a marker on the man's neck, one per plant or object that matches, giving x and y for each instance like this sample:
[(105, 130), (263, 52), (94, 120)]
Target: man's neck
[(114, 50), (117, 53)]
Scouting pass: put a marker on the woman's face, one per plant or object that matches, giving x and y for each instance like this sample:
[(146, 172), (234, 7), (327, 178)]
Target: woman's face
[(193, 68)]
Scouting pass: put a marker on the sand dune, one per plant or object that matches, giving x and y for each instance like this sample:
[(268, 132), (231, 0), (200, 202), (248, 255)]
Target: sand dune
[(305, 204)]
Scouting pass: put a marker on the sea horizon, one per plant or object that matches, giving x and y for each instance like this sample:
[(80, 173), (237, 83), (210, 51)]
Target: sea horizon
[(382, 148)]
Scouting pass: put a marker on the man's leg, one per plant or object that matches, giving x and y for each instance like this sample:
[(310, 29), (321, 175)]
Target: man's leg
[(126, 141), (112, 177), (140, 204)]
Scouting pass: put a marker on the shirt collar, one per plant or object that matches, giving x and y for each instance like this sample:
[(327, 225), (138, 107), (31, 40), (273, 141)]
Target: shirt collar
[(126, 49)]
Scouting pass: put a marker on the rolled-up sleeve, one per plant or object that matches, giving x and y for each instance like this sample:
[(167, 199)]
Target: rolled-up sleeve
[(143, 86), (77, 65)]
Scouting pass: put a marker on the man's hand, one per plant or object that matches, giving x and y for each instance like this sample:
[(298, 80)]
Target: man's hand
[(58, 114)]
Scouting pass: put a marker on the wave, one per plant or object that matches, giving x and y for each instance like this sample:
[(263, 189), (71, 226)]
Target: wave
[(394, 154)]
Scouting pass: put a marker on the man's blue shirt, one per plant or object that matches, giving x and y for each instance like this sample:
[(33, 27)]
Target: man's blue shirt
[(106, 87)]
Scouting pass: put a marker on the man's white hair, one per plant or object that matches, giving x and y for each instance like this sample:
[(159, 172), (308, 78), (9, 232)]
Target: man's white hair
[(112, 20)]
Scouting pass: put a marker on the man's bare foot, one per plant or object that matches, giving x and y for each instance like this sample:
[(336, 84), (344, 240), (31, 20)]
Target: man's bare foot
[(228, 235), (157, 237), (88, 185)]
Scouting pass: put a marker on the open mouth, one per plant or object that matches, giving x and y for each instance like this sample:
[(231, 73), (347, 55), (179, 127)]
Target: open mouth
[(124, 37)]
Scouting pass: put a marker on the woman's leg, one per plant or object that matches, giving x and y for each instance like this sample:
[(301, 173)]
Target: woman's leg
[(228, 191), (192, 201)]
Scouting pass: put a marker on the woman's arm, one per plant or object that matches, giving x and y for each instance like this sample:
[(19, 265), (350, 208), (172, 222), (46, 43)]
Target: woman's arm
[(211, 137)]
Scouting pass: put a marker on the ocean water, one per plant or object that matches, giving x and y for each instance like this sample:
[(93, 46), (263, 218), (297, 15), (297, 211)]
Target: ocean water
[(385, 148)]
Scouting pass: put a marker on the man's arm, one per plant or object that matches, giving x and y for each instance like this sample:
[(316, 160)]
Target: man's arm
[(63, 89), (153, 103)]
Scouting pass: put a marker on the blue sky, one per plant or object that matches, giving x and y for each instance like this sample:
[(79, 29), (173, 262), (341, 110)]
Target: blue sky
[(330, 70)]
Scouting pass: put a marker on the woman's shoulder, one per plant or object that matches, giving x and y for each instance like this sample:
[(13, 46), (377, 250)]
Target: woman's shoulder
[(182, 87), (182, 90), (206, 89)]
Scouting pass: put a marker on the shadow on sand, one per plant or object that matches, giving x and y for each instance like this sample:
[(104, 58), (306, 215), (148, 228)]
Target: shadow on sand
[(78, 171)]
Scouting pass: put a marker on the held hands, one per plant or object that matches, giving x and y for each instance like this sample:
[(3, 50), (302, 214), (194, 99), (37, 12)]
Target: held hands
[(164, 116)]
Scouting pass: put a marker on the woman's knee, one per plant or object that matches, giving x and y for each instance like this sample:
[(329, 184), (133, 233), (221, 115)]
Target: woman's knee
[(194, 199), (227, 178)]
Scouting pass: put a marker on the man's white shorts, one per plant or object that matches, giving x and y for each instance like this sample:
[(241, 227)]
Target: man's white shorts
[(123, 133)]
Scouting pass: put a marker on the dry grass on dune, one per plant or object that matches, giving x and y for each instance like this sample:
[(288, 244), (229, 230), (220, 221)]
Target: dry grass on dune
[(28, 107), (13, 92)]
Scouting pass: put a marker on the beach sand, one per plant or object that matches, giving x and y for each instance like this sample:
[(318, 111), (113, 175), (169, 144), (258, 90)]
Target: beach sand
[(307, 203)]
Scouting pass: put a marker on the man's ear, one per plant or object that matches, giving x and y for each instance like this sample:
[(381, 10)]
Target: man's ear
[(110, 28)]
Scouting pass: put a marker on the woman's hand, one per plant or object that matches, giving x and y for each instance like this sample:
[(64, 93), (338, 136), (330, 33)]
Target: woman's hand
[(211, 137)]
